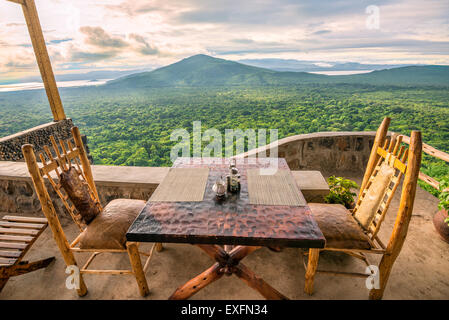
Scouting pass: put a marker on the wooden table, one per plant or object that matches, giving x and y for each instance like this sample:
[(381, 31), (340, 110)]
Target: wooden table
[(233, 222)]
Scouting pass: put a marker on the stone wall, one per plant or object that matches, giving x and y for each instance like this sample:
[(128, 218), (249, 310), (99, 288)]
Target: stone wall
[(339, 153), (10, 146), (17, 193)]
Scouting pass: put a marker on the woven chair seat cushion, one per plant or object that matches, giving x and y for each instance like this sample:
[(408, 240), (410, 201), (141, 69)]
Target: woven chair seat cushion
[(370, 203), (339, 227), (108, 229)]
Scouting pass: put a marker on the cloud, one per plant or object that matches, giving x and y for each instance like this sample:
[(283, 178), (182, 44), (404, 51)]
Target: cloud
[(57, 41), (159, 32), (15, 24), (335, 8), (86, 57), (134, 7), (242, 41), (143, 46), (96, 36), (20, 65), (321, 32), (4, 44), (409, 45)]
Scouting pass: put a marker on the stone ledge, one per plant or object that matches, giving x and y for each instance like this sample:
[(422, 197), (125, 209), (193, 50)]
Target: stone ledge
[(103, 175), (17, 193), (312, 185), (143, 176)]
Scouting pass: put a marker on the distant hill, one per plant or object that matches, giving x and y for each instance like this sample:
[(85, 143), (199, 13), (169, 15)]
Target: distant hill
[(92, 75), (315, 66), (413, 75), (203, 71)]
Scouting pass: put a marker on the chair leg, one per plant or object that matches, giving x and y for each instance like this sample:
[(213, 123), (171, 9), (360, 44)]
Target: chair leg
[(312, 265), (69, 259), (385, 266), (159, 247), (82, 291), (136, 264)]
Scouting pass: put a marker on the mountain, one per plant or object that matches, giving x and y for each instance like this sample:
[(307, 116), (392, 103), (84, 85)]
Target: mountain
[(205, 71), (413, 75), (314, 66), (92, 75)]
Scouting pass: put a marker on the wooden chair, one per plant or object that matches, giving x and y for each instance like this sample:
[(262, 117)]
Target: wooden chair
[(355, 232), (71, 154), (17, 235)]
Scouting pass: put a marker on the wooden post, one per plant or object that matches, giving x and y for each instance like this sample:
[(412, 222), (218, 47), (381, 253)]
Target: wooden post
[(374, 157), (136, 264), (84, 160), (314, 255), (404, 214), (43, 60), (50, 213), (199, 282), (257, 283)]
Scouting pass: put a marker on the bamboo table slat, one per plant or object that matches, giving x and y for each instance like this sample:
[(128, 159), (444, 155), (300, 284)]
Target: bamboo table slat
[(234, 221)]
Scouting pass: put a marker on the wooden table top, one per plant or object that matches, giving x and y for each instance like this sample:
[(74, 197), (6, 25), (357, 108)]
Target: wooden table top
[(233, 221)]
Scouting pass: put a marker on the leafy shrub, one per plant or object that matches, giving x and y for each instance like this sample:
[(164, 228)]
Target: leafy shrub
[(341, 191), (444, 197)]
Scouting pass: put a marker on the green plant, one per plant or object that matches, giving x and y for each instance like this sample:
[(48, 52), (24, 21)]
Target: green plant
[(443, 196), (341, 191)]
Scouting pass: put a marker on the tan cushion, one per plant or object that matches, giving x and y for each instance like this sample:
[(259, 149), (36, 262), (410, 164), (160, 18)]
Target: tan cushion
[(78, 192), (339, 227), (366, 212), (108, 229)]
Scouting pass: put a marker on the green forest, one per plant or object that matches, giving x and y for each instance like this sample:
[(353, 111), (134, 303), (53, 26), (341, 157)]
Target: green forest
[(132, 127)]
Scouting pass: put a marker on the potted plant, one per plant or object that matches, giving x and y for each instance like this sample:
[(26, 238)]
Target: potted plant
[(441, 219), (341, 191)]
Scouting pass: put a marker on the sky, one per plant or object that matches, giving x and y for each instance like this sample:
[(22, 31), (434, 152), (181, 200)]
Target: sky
[(88, 35)]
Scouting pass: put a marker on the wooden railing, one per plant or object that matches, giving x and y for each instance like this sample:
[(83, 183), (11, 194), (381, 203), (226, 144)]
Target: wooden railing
[(434, 153)]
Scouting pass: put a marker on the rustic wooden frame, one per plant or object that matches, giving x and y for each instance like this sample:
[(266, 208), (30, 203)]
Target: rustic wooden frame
[(59, 157), (43, 60), (228, 262), (17, 236), (406, 163), (434, 153)]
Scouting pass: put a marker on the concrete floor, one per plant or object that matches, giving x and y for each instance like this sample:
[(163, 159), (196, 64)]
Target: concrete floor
[(420, 272)]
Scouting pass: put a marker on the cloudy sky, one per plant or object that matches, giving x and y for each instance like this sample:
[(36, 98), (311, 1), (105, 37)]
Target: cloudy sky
[(86, 35)]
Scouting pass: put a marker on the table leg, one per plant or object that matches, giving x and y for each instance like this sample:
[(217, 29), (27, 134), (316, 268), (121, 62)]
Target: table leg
[(227, 263), (314, 255), (257, 283), (199, 282)]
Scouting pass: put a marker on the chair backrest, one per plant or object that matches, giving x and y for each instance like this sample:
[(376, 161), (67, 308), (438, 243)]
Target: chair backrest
[(387, 165), (378, 192), (57, 157)]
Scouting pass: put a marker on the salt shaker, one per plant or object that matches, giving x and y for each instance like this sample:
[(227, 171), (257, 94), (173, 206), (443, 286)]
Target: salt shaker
[(233, 178), (219, 188)]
